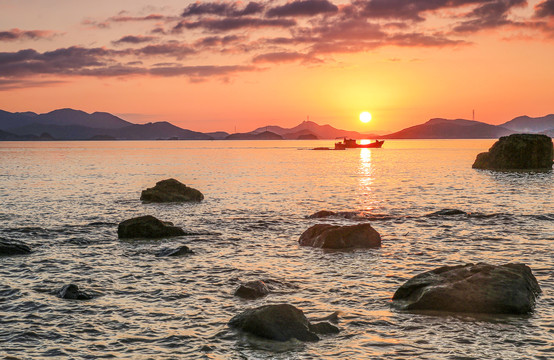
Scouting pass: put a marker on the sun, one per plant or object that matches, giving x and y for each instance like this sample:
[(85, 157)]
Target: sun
[(365, 117)]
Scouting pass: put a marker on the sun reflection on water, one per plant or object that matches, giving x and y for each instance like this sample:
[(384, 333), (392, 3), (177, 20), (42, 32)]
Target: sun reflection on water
[(365, 180)]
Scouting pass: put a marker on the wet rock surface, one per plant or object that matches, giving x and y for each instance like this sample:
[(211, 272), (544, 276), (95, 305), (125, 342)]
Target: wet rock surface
[(517, 152), (252, 290), (8, 248), (477, 288), (171, 190), (281, 323), (180, 251), (328, 236), (147, 227), (72, 292)]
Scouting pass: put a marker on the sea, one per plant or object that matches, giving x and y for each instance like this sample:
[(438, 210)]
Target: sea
[(65, 200)]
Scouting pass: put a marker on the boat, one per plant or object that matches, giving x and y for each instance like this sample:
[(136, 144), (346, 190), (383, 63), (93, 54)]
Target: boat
[(352, 144)]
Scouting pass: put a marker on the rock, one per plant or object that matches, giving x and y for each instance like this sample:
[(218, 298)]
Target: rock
[(340, 237), (480, 288), (180, 251), (147, 227), (8, 248), (170, 190), (517, 151), (72, 292), (252, 290), (279, 322), (447, 212), (340, 214)]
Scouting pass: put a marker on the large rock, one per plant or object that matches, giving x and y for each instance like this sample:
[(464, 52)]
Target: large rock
[(170, 190), (517, 152), (147, 227), (340, 237), (280, 322), (252, 290), (480, 288), (72, 292), (8, 248)]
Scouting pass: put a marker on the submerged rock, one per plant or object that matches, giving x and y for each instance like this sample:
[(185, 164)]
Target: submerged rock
[(170, 190), (72, 292), (478, 288), (517, 152), (252, 290), (180, 251), (281, 323), (340, 237), (147, 227), (447, 212), (341, 214), (8, 248)]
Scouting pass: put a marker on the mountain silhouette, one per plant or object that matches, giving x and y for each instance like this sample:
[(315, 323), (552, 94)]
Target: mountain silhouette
[(526, 124), (310, 127), (439, 128)]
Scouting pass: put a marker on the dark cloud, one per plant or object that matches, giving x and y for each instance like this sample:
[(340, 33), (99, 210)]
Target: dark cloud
[(174, 49), (212, 41), (227, 24), (226, 9), (406, 9), (200, 71), (422, 40), (133, 39), (490, 15), (122, 18), (17, 34), (303, 8), (12, 84), (544, 9)]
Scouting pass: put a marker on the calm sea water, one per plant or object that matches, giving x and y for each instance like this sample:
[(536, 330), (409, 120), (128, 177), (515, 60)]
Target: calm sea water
[(65, 200)]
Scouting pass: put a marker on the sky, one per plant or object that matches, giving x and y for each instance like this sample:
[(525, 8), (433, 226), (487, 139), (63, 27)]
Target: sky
[(226, 65)]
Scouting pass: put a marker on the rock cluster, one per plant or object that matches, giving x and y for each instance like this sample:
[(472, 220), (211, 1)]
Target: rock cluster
[(517, 152), (170, 190), (180, 251), (281, 323), (328, 236), (478, 288), (147, 227)]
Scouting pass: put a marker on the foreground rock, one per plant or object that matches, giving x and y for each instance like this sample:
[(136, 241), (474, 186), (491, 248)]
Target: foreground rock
[(147, 227), (281, 323), (517, 152), (480, 288), (328, 236), (180, 251), (72, 292), (8, 248), (322, 214), (171, 190), (252, 290)]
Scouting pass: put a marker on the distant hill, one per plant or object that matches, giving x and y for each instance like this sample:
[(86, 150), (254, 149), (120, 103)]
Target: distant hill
[(69, 124), (7, 136), (321, 131), (266, 135), (450, 129), (528, 124), (218, 135)]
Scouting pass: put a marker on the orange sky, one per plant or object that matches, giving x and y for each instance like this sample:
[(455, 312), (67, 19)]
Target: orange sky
[(210, 66)]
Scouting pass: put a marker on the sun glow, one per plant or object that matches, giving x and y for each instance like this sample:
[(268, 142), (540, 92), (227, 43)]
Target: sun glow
[(365, 117)]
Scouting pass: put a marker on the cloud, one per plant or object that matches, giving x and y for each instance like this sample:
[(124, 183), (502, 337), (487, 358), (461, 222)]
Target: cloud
[(12, 84), (227, 24), (17, 34), (123, 18), (303, 8), (226, 9), (280, 57), (544, 9), (133, 39), (490, 15)]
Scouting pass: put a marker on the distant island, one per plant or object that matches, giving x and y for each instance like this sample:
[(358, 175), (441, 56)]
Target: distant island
[(70, 124)]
